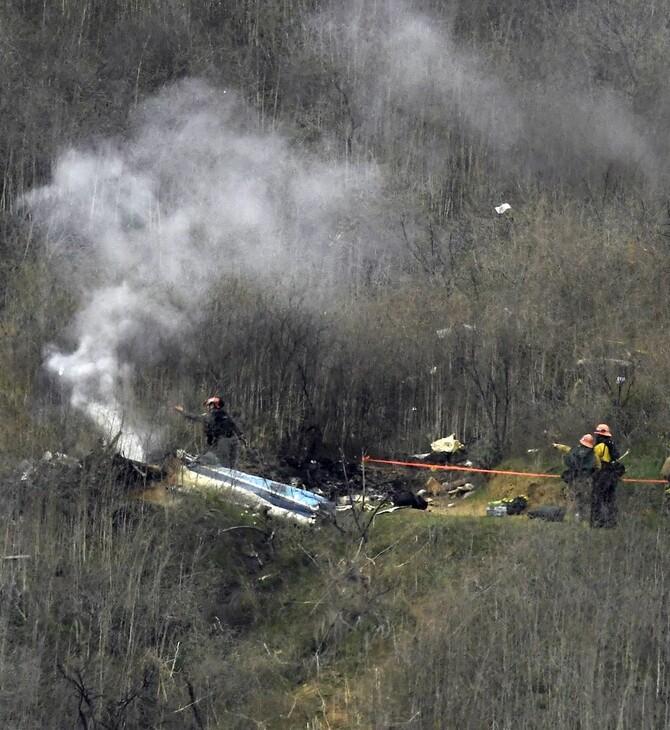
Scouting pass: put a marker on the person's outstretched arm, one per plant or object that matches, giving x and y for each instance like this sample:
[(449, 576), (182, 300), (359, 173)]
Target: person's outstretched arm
[(191, 416)]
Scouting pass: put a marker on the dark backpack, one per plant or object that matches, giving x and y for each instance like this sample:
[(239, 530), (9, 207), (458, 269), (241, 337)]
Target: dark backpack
[(516, 505), (409, 499), (547, 513), (580, 461), (614, 466), (612, 448)]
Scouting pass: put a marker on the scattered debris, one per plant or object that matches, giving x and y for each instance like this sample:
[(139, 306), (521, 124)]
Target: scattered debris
[(460, 488), (507, 506), (388, 510), (435, 488), (447, 450), (59, 458), (547, 513), (409, 499), (449, 444), (495, 509), (276, 499)]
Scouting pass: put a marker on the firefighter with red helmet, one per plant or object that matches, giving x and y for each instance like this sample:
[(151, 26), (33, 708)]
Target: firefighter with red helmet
[(581, 464), (222, 433)]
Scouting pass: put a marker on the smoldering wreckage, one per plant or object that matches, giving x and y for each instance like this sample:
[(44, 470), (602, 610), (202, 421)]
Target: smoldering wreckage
[(308, 492)]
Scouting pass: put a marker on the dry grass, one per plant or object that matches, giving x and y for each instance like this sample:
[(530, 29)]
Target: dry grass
[(559, 625), (129, 613)]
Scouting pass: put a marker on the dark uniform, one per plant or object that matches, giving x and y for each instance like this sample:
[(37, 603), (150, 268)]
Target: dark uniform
[(581, 465), (222, 435)]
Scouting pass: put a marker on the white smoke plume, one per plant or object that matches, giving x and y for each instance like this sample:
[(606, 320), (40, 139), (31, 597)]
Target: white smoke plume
[(137, 226), (407, 70), (143, 229)]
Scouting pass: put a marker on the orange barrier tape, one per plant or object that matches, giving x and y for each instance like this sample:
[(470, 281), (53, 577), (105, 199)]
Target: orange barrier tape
[(491, 471)]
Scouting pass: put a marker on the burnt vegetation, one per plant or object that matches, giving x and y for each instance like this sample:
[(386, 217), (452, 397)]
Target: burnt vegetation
[(410, 311)]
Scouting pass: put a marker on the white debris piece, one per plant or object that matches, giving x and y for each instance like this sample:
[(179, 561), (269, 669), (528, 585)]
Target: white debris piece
[(500, 209), (449, 444)]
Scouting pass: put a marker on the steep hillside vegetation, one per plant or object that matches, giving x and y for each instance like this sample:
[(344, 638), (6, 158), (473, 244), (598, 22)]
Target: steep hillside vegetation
[(193, 614), (294, 204)]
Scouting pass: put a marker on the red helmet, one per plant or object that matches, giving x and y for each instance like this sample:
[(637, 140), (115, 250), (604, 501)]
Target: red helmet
[(587, 440), (602, 429), (213, 401)]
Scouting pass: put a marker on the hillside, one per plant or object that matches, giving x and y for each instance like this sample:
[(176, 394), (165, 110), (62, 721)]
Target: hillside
[(361, 226), (195, 614)]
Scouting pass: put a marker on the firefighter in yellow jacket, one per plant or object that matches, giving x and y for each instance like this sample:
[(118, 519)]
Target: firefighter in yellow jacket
[(604, 507)]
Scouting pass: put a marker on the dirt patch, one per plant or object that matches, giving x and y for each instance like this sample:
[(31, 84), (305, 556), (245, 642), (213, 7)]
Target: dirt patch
[(162, 494), (538, 491)]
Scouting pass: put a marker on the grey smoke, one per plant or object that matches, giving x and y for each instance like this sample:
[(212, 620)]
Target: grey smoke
[(407, 70), (136, 226), (144, 229)]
